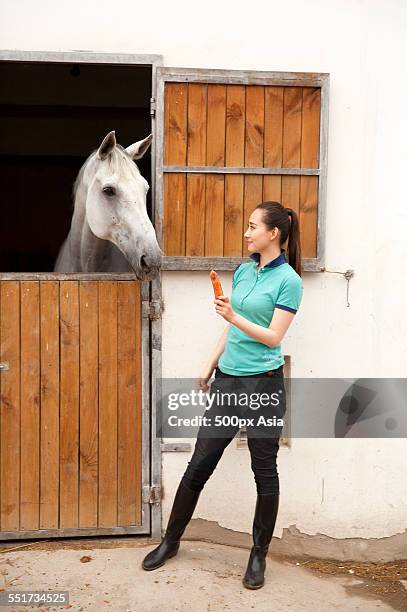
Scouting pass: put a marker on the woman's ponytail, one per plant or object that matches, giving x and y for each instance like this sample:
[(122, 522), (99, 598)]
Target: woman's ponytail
[(294, 245)]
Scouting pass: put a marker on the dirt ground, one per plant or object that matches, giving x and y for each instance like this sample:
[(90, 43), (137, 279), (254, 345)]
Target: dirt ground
[(112, 566)]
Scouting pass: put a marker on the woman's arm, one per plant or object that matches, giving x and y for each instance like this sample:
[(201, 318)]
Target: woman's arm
[(217, 352), (213, 360), (270, 336)]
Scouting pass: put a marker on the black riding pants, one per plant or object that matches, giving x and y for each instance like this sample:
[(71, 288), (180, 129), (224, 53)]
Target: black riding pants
[(263, 440)]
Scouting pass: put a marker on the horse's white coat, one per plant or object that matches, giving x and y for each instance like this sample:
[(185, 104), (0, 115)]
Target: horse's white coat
[(110, 229)]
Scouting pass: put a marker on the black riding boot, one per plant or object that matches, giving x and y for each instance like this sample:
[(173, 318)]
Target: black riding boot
[(182, 510), (263, 527)]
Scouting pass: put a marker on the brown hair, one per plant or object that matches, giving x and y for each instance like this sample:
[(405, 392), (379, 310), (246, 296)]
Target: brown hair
[(286, 220)]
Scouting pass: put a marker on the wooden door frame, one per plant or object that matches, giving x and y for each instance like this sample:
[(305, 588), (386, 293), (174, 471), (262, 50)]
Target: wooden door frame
[(150, 450)]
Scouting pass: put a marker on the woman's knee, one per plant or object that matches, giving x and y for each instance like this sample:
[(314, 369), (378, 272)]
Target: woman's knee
[(203, 462), (193, 482), (197, 475), (267, 479), (265, 488), (264, 465)]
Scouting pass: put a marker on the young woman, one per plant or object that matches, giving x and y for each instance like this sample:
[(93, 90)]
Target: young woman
[(266, 294)]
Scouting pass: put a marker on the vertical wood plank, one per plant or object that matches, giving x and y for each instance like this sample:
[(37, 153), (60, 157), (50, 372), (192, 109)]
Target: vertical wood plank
[(10, 406), (215, 184), (197, 117), (195, 235), (174, 222), (175, 153), (138, 344), (216, 125), (129, 403), (107, 510), (235, 148), (290, 185), (309, 215), (311, 108), (49, 459), (232, 244), (69, 404), (215, 214), (254, 137), (175, 123), (273, 126), (292, 127), (273, 141), (235, 124), (254, 151), (195, 212), (89, 398), (30, 405)]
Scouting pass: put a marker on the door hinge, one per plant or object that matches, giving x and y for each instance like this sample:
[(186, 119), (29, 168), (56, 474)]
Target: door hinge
[(153, 107), (151, 495), (152, 310)]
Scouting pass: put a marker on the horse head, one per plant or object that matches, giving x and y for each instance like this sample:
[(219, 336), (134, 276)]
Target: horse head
[(116, 204)]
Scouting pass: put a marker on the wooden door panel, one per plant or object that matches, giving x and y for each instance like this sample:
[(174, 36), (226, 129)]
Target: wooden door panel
[(71, 406)]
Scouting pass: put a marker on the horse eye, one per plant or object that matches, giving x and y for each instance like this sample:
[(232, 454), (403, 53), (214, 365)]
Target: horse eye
[(109, 191)]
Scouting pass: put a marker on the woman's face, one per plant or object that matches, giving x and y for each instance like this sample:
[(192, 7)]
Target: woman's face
[(258, 237)]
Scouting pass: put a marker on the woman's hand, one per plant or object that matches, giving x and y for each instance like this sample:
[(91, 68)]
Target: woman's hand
[(224, 308), (203, 379)]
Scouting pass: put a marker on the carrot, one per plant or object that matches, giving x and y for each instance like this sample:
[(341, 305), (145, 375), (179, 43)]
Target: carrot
[(217, 287)]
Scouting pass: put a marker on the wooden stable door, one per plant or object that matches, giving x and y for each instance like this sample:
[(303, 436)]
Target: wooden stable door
[(71, 418)]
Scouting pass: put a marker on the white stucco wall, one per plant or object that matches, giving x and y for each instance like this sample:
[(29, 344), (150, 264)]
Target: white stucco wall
[(362, 45)]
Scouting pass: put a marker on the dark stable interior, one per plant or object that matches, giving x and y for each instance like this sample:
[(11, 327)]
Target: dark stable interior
[(52, 117)]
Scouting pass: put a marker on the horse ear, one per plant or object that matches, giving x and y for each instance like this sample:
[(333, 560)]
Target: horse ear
[(107, 146), (138, 149)]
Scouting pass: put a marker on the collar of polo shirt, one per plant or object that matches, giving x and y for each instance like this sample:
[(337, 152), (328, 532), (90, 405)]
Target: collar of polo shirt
[(273, 263)]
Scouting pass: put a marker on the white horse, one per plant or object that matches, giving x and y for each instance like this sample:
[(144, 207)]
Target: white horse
[(110, 229)]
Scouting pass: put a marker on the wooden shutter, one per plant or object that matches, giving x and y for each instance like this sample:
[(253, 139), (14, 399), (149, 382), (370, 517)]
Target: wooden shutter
[(226, 142)]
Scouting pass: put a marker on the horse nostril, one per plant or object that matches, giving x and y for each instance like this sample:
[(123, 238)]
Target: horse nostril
[(143, 261)]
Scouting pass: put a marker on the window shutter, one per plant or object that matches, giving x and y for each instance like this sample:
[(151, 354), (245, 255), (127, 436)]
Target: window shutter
[(228, 140)]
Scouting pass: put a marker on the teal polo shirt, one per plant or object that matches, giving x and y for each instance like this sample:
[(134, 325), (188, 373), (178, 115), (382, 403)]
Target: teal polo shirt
[(255, 295)]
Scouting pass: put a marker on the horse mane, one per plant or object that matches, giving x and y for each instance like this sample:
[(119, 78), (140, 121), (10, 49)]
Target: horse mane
[(78, 179)]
